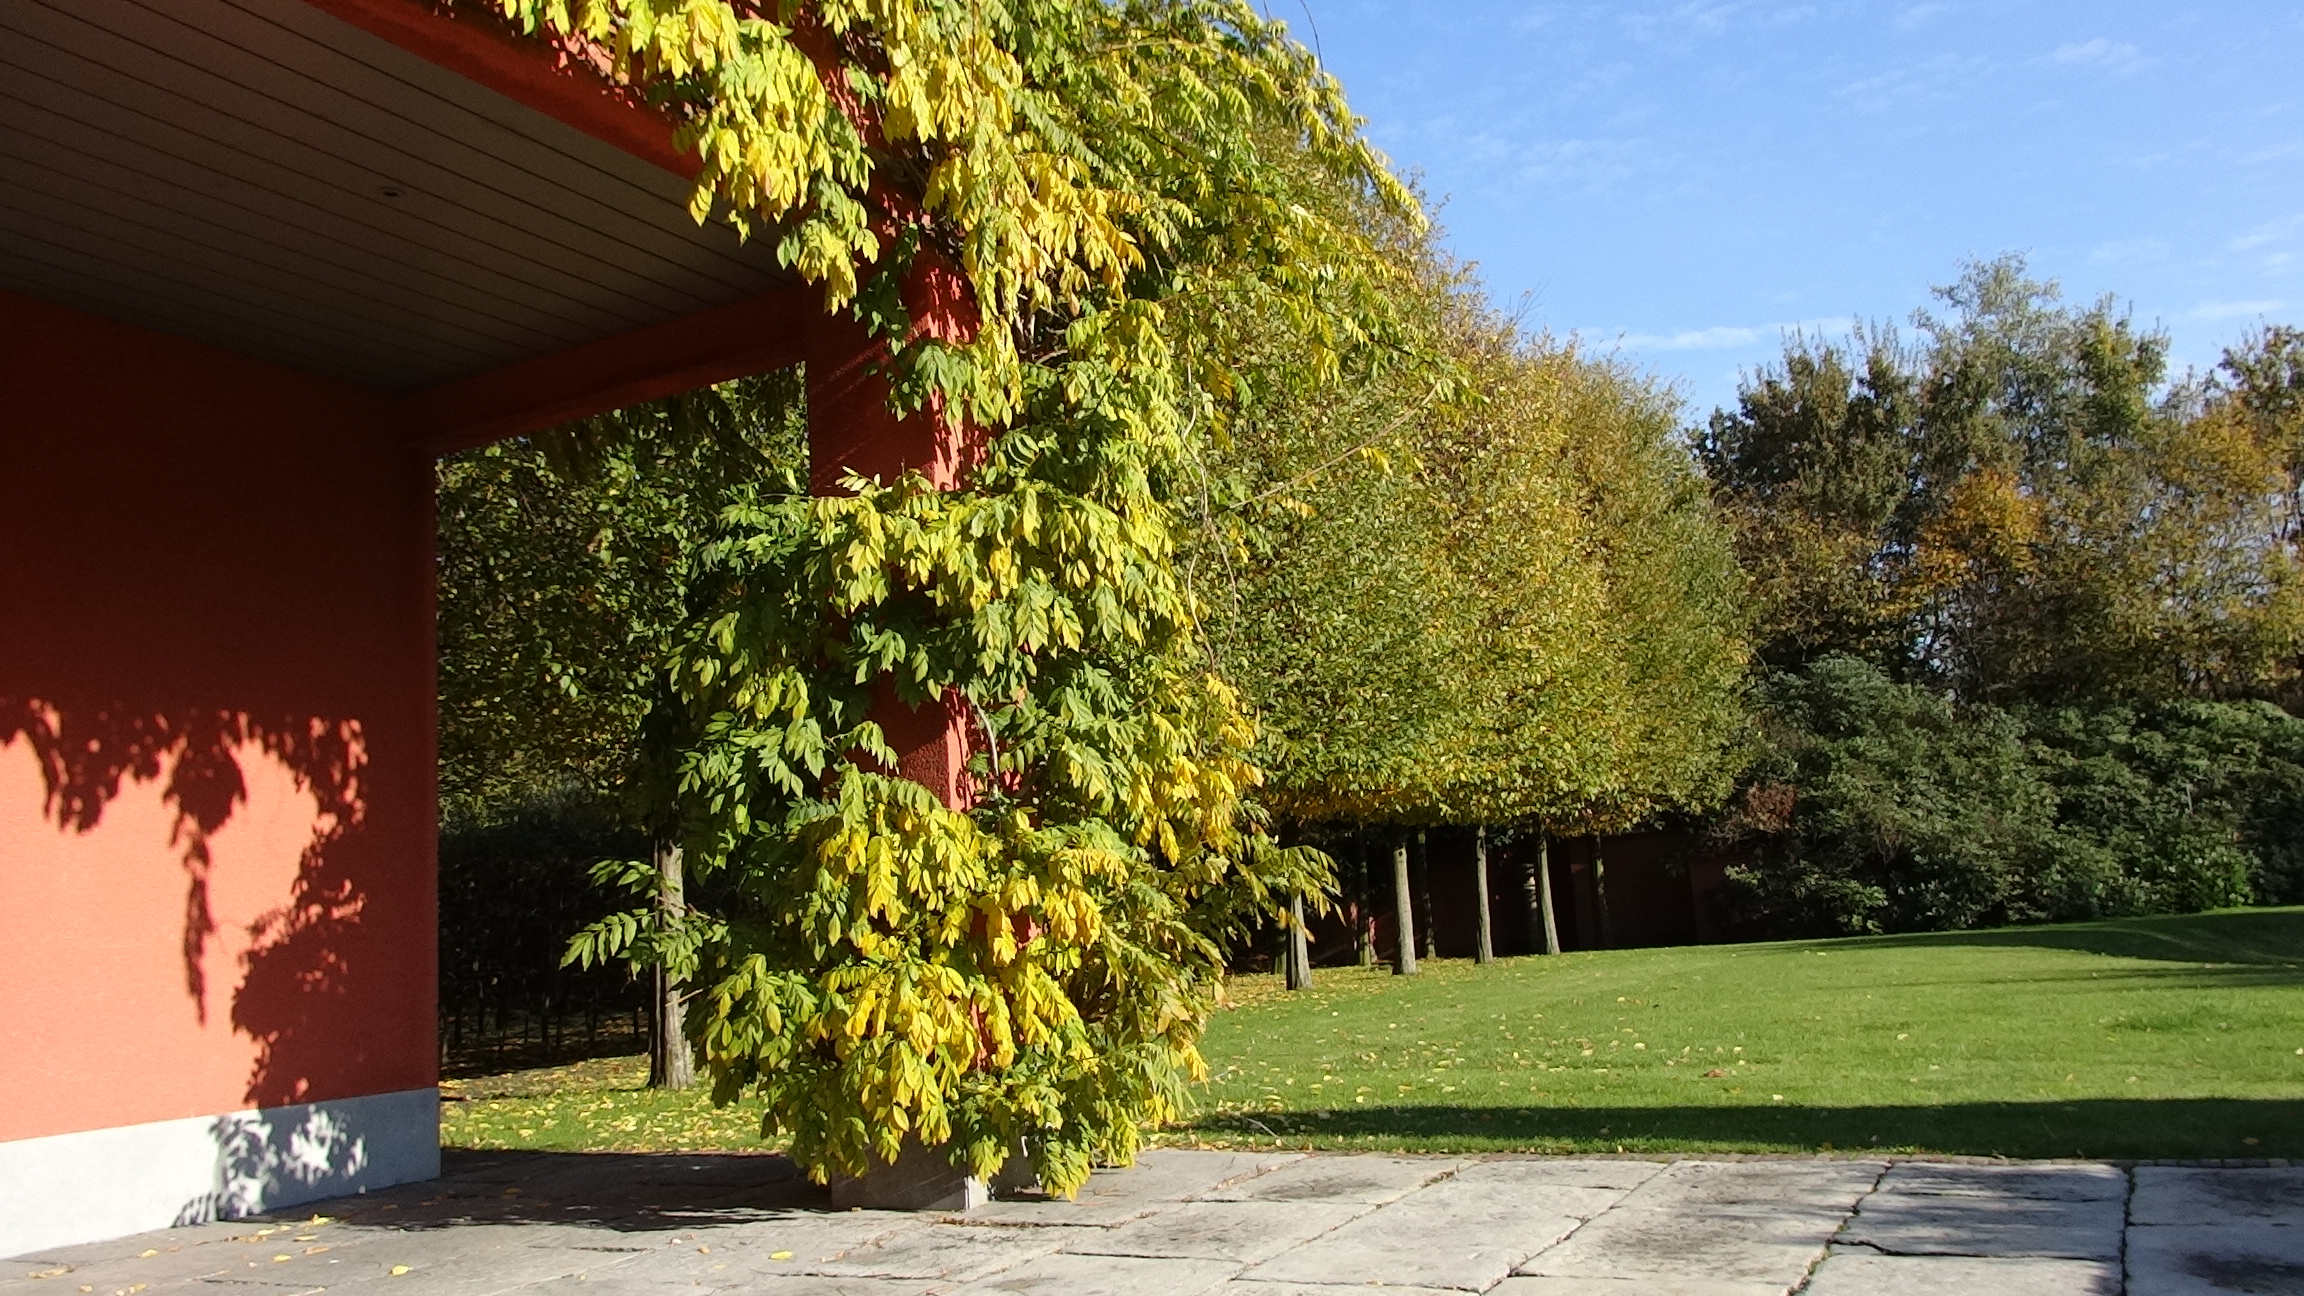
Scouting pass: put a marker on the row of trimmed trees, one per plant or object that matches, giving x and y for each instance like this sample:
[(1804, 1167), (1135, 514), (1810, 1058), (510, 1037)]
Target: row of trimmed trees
[(1477, 581)]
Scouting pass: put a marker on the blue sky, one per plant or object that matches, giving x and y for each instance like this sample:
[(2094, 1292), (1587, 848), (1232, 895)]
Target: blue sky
[(1686, 181)]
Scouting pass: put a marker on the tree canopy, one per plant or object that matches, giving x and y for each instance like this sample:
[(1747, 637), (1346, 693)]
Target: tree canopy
[(1035, 970), (2019, 506), (1481, 584), (2015, 586)]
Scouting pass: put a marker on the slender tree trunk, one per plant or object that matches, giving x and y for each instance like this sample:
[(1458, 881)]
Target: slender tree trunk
[(1431, 929), (670, 1065), (1543, 928), (1299, 945), (1404, 947), (1362, 905), (1485, 950), (1600, 896)]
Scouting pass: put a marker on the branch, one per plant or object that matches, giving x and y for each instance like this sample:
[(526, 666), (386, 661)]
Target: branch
[(1340, 456)]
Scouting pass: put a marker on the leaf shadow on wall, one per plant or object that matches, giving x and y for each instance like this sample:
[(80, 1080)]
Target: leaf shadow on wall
[(305, 954)]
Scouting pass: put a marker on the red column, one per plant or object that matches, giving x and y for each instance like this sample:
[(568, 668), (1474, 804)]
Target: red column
[(851, 430)]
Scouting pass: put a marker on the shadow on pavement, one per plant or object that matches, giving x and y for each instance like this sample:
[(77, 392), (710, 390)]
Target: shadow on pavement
[(626, 1192)]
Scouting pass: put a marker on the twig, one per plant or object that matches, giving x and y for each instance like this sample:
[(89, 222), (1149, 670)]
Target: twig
[(1340, 456)]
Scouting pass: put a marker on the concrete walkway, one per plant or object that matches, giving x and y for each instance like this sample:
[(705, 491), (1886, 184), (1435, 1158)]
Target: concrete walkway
[(1243, 1224)]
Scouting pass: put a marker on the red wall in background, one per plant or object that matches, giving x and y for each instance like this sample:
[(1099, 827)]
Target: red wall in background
[(216, 756)]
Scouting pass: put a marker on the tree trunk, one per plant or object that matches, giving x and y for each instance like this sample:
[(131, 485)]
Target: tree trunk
[(1543, 928), (1431, 929), (1600, 896), (1299, 945), (1404, 947), (670, 1065), (1485, 950), (1362, 907)]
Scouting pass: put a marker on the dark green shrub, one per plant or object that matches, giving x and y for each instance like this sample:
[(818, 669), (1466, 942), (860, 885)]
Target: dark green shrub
[(1877, 806), (1873, 806)]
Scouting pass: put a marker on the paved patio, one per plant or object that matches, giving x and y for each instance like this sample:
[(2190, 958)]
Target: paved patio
[(1246, 1224)]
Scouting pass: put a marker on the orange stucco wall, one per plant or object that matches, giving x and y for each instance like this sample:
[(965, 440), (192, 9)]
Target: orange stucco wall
[(216, 797)]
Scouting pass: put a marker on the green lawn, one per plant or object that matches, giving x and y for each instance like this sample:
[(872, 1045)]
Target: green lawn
[(2162, 1037), (602, 1106)]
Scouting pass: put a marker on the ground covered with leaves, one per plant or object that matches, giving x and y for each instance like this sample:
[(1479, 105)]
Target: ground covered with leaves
[(2154, 1037), (598, 1106)]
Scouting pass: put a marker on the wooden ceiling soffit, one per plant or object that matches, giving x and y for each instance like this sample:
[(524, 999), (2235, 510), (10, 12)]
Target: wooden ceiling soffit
[(562, 79)]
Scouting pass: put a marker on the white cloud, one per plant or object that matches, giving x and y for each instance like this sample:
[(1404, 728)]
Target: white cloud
[(2272, 154), (2266, 234), (1708, 18), (1918, 16), (2112, 56), (1941, 77), (1724, 337), (2212, 311), (2125, 250), (1716, 338), (1682, 19)]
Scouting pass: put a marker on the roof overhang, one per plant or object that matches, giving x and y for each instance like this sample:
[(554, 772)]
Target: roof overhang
[(379, 191)]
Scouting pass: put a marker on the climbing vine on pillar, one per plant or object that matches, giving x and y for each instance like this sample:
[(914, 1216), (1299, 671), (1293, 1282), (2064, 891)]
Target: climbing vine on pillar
[(1034, 968)]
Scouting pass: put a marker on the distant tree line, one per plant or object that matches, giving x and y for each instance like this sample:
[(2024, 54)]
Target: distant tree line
[(2027, 614), (1997, 621)]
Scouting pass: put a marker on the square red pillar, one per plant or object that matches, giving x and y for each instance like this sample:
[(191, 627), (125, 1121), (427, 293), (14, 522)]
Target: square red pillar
[(852, 431)]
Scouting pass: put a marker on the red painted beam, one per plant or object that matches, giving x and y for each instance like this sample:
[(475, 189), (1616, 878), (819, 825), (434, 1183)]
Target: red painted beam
[(564, 80), (749, 337)]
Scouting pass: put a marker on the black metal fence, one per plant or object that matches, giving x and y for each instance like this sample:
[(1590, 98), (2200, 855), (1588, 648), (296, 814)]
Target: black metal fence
[(511, 893)]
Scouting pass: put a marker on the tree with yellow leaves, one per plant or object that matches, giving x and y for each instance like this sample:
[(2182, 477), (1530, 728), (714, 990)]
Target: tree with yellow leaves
[(1034, 970)]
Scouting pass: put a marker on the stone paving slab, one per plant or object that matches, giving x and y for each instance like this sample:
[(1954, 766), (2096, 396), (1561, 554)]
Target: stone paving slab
[(1918, 1224), (1243, 1232), (1562, 1172), (2187, 1195), (484, 1259), (1465, 1235), (1190, 1223), (1254, 1287), (1646, 1285), (642, 1284), (1689, 1185), (1852, 1274), (951, 1252), (1356, 1180), (2216, 1260), (2042, 1183), (1159, 1177), (1078, 1275), (1743, 1243)]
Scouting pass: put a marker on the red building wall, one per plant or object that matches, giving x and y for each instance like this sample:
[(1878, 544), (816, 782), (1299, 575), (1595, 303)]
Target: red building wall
[(216, 803)]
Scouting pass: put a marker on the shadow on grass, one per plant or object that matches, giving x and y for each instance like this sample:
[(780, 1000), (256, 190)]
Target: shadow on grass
[(2141, 1129), (2268, 939)]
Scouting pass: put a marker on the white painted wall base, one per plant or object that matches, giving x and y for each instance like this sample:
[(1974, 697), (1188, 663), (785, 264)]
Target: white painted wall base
[(69, 1188)]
